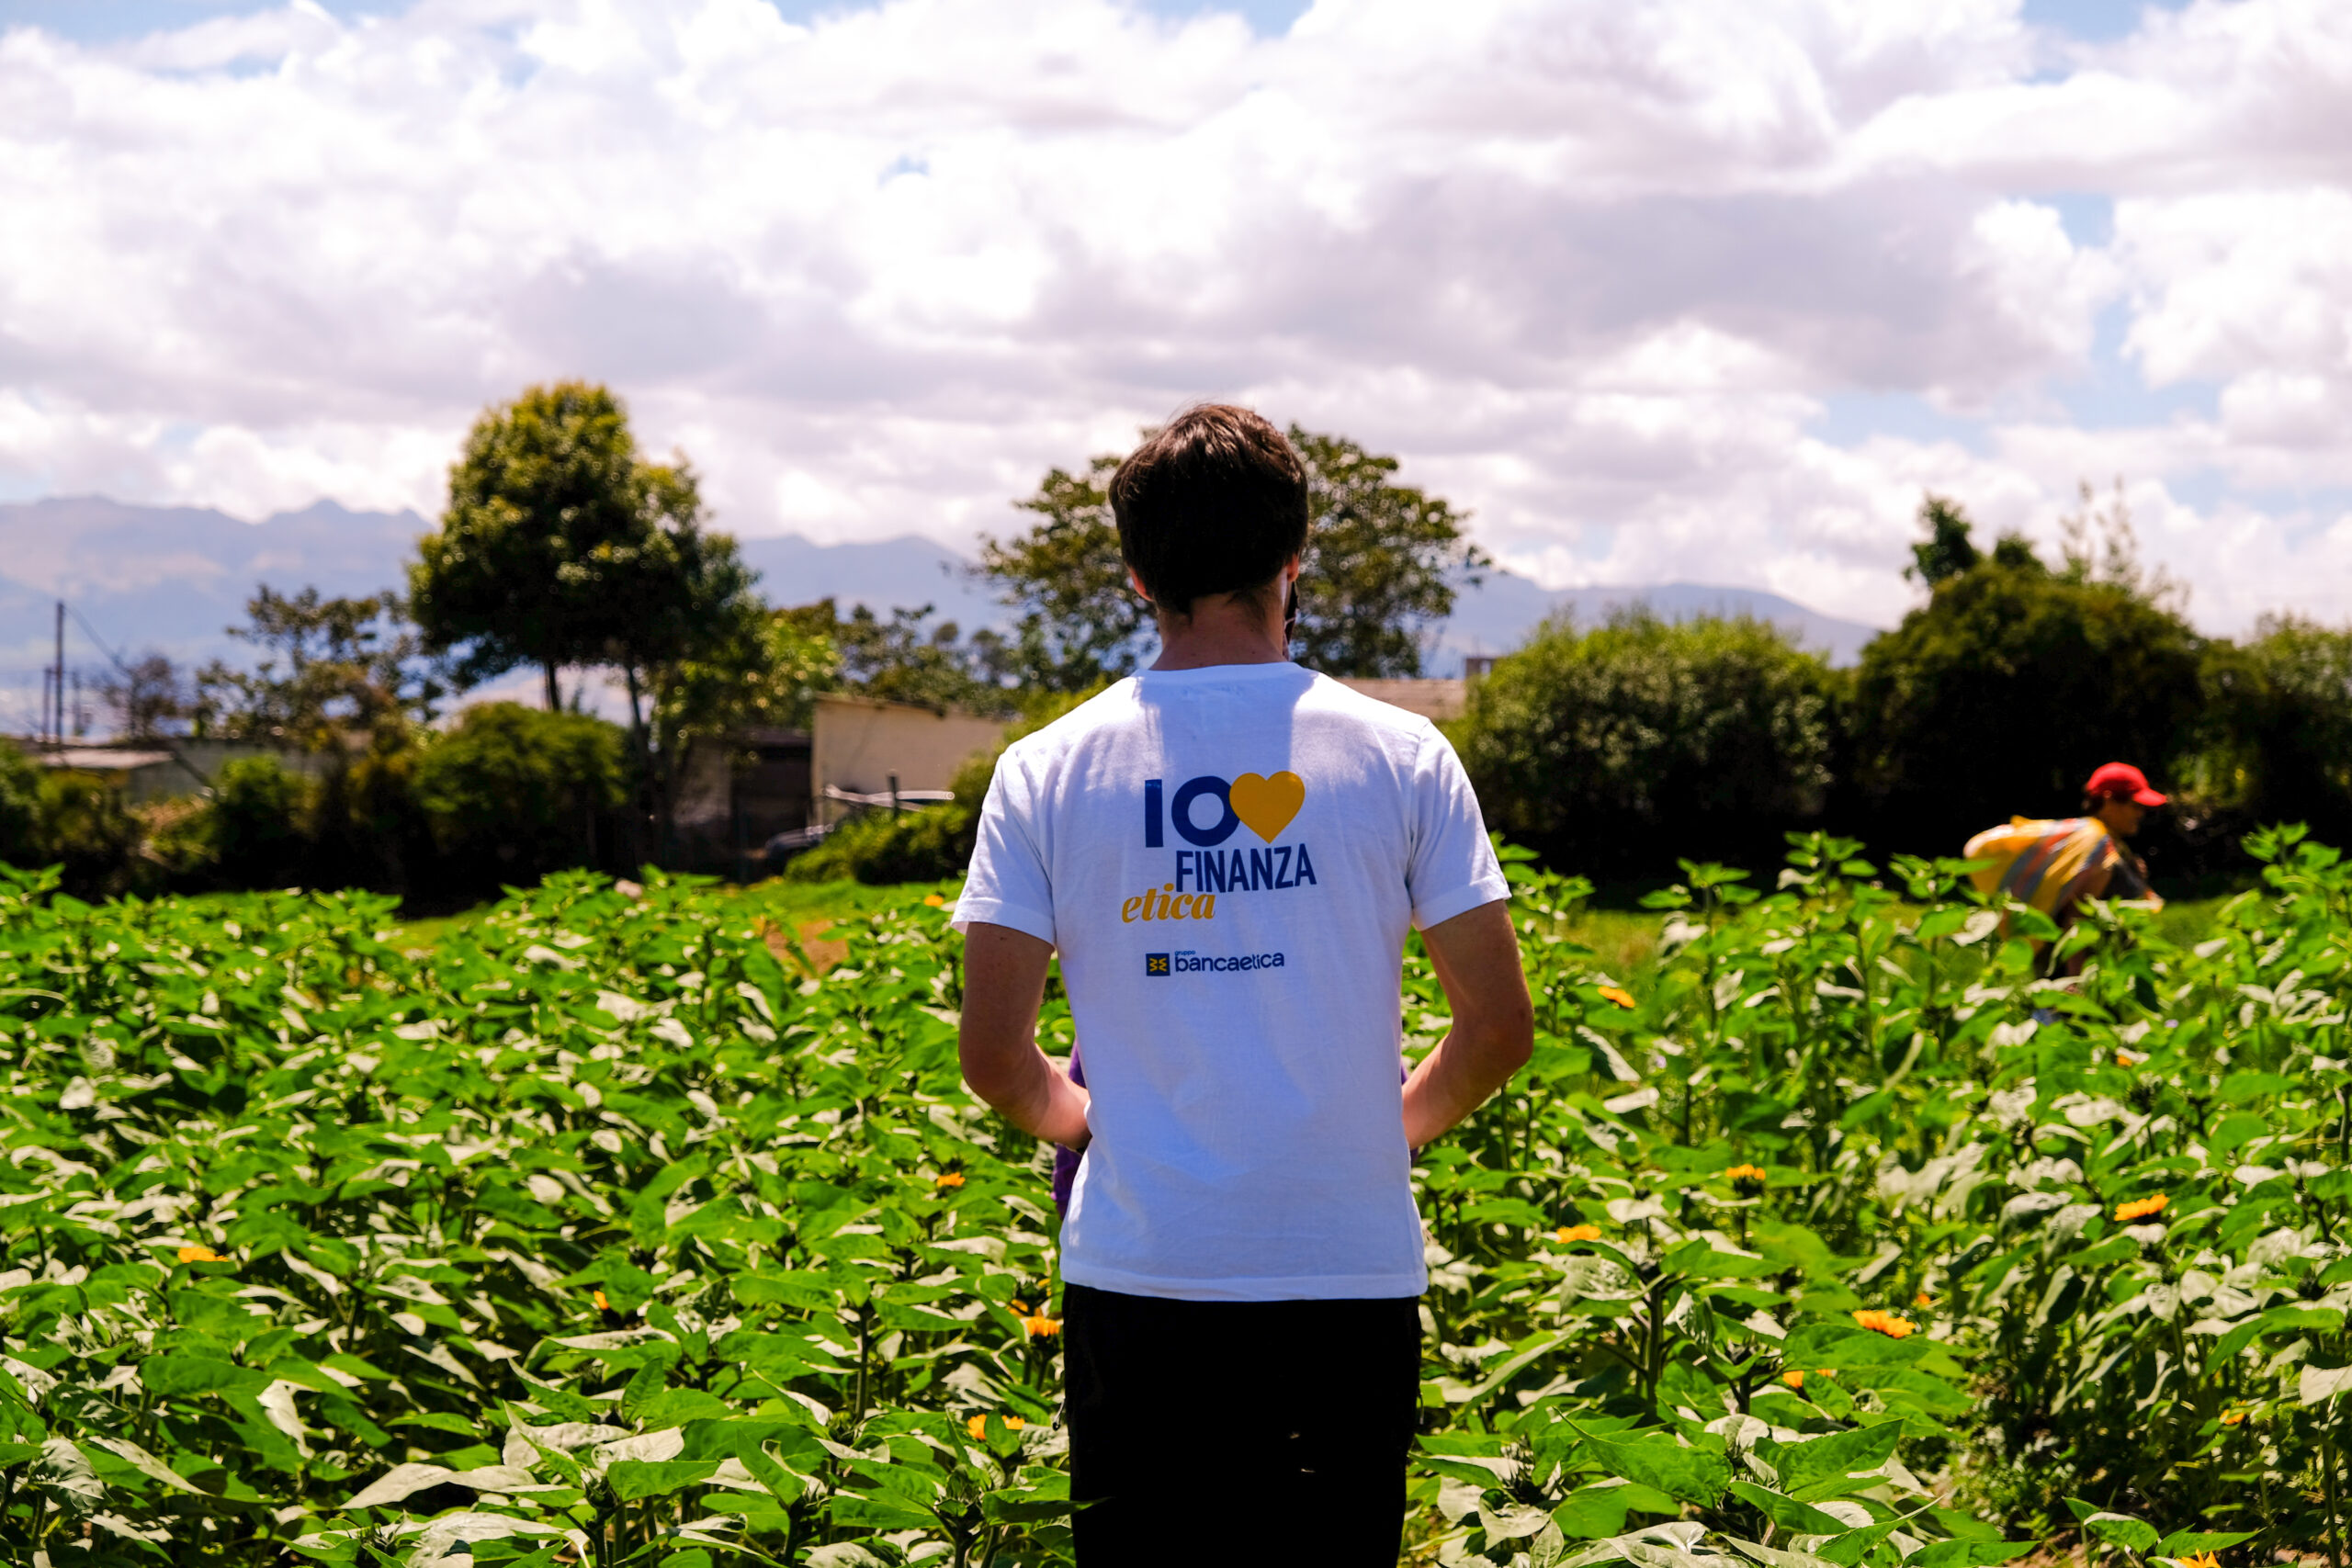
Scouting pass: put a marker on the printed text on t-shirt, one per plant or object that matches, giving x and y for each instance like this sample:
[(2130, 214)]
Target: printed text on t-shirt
[(1264, 805)]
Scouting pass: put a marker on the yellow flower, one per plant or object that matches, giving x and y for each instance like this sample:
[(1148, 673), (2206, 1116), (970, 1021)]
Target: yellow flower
[(1018, 1309), (2234, 1417), (602, 1305), (2140, 1209), (2127, 1059), (1040, 1326), (1924, 1301), (200, 1254), (1893, 1324), (978, 1426), (1568, 1233), (1618, 994), (952, 1179), (2199, 1560), (1795, 1379), (1747, 1181), (933, 899)]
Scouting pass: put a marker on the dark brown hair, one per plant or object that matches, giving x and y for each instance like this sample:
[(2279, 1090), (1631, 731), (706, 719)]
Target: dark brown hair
[(1213, 501)]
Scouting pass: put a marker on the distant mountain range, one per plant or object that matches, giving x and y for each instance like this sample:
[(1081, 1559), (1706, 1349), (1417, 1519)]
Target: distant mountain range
[(172, 578)]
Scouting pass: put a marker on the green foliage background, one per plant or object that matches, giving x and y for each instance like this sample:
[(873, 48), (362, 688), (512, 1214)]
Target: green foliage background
[(616, 1229), (1616, 748)]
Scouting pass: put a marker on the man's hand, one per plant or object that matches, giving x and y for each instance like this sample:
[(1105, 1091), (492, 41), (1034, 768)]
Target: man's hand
[(1476, 955), (1005, 983)]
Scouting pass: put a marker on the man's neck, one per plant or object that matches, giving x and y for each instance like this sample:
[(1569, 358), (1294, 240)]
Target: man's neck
[(1224, 630)]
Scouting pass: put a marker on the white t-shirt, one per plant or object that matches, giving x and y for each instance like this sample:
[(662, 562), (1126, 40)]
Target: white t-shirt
[(1229, 858)]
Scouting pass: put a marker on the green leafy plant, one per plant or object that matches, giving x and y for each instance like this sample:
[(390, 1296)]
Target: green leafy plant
[(619, 1229)]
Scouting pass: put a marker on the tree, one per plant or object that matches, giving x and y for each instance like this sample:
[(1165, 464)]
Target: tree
[(1618, 748), (2014, 682), (561, 548), (145, 699), (904, 661), (2280, 730), (330, 668), (1947, 551), (762, 668), (1079, 619), (1383, 560)]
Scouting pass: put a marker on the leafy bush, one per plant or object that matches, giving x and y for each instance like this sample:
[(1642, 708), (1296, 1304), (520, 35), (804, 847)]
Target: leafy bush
[(2009, 688), (2281, 708), (1720, 733), (514, 792), (88, 832), (19, 804), (261, 822), (370, 831), (882, 848)]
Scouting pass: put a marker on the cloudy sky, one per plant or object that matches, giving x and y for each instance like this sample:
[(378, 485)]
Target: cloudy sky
[(1704, 289)]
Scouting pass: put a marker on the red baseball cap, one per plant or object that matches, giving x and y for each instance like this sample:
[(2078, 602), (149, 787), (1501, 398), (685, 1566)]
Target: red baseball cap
[(2121, 778)]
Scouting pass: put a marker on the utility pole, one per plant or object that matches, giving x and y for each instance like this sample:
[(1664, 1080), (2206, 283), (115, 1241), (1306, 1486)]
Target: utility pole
[(59, 687)]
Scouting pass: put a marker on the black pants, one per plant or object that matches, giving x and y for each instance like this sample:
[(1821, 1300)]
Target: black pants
[(1202, 1432)]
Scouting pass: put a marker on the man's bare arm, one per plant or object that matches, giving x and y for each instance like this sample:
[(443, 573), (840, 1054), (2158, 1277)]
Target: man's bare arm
[(1004, 984), (1476, 955)]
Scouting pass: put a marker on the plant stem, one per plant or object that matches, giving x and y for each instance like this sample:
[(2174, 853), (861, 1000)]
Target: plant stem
[(2327, 1452)]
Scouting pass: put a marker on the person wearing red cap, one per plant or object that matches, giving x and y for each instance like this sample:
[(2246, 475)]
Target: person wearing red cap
[(2053, 865)]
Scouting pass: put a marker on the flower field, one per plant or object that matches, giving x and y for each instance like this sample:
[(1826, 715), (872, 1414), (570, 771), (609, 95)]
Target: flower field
[(616, 1230)]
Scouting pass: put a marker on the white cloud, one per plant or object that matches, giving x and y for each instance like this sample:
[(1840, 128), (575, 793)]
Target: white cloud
[(1594, 270)]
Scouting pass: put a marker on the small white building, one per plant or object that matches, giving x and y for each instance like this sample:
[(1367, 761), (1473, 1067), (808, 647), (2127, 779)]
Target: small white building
[(865, 748)]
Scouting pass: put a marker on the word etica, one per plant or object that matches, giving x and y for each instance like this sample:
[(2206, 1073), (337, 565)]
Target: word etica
[(1159, 906)]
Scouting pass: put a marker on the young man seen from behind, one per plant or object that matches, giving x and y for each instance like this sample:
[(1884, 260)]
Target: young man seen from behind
[(1227, 853)]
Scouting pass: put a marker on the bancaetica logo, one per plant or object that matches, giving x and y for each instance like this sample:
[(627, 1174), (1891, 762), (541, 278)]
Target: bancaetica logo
[(1212, 964), (1204, 812), (1155, 963)]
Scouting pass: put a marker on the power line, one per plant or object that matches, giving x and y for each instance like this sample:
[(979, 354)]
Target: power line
[(115, 660)]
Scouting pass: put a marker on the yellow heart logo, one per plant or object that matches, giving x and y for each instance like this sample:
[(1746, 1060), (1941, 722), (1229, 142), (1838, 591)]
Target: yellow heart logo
[(1266, 806)]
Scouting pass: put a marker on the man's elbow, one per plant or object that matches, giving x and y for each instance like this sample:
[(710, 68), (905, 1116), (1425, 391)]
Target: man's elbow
[(992, 1075), (1510, 1039), (1520, 1050)]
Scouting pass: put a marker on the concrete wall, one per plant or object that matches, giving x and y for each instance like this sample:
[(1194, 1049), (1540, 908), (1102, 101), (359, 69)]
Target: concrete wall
[(858, 744)]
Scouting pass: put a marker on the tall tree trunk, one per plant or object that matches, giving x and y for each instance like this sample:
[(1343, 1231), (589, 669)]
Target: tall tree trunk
[(554, 691)]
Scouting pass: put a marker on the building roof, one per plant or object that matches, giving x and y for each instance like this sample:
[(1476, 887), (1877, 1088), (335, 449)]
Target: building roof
[(1432, 698), (100, 759), (887, 704)]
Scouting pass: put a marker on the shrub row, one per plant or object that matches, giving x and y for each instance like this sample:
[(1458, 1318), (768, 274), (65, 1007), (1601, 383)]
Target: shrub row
[(503, 797), (1613, 749)]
